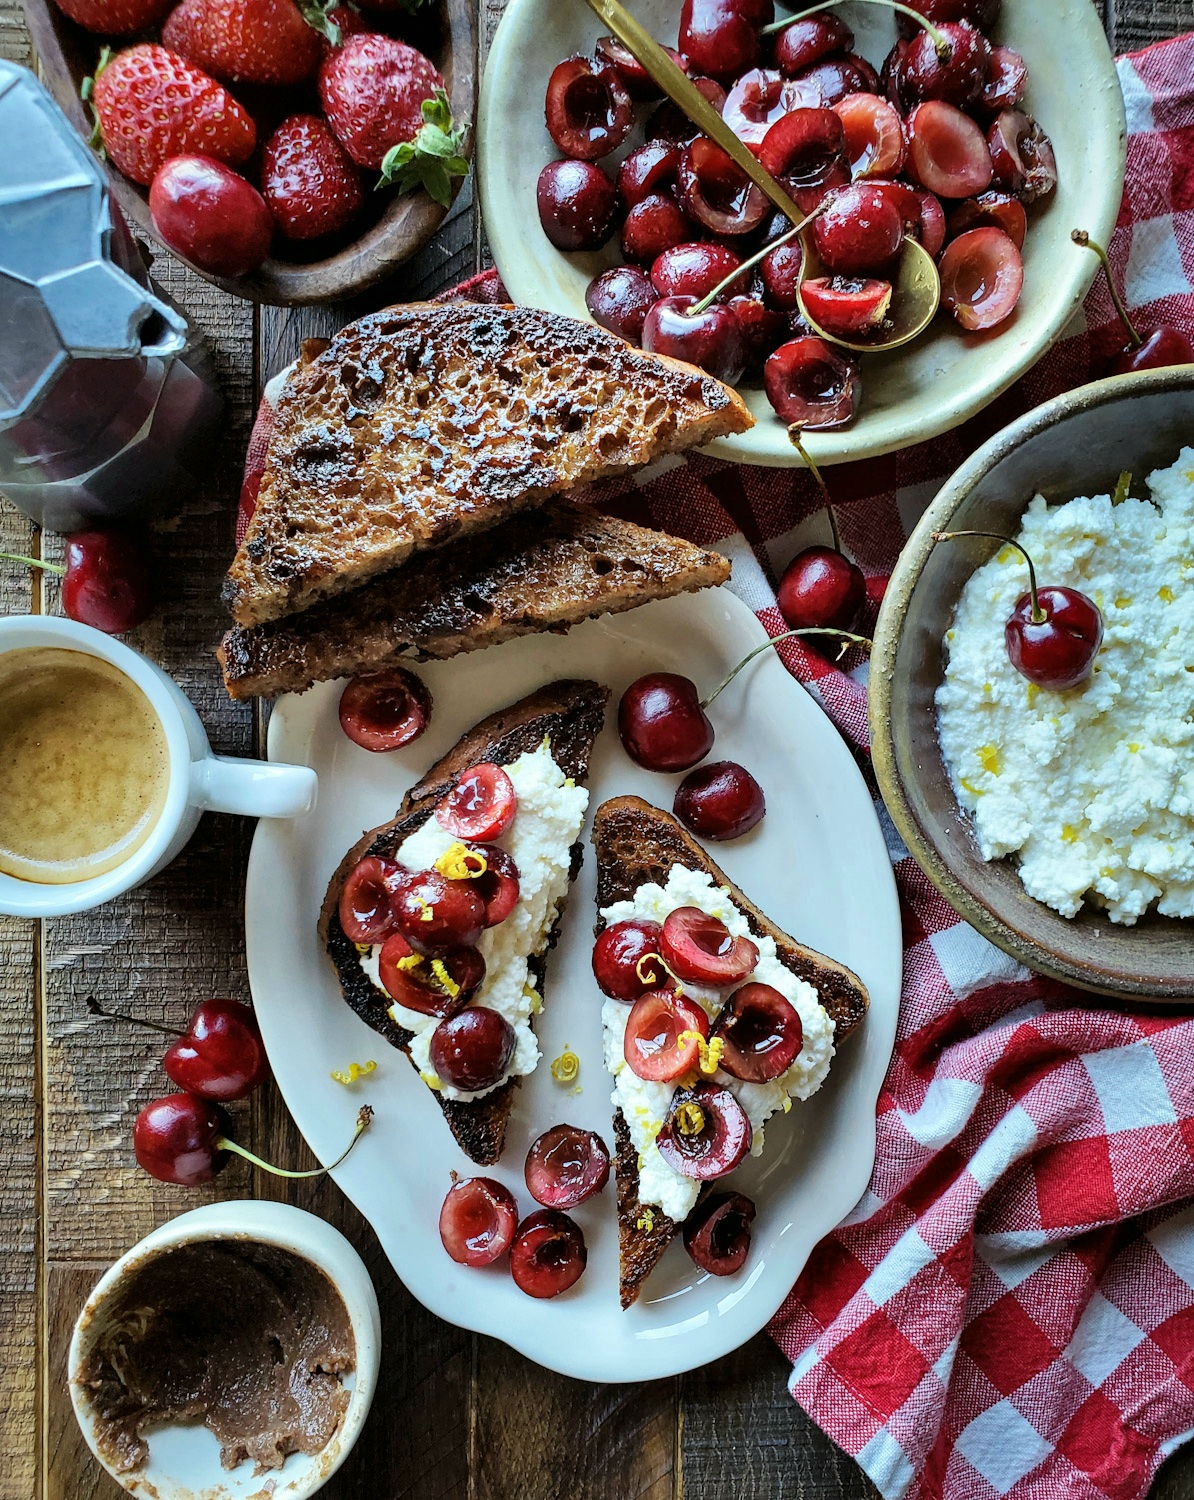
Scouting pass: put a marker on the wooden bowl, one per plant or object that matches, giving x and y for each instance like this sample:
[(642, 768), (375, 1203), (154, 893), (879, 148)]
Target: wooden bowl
[(1074, 445), (406, 222)]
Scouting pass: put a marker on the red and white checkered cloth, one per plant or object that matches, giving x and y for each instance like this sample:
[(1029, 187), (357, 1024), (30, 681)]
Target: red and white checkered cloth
[(1010, 1309)]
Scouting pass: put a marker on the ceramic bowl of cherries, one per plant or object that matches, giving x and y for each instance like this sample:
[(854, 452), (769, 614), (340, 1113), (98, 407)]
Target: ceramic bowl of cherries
[(952, 126)]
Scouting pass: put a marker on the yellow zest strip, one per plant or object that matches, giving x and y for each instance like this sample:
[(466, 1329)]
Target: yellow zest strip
[(709, 1052), (449, 985), (1165, 594), (533, 996), (566, 1067), (652, 977), (690, 1118), (645, 1220), (787, 1104), (363, 947), (460, 863), (355, 1071), (431, 1080), (411, 961)]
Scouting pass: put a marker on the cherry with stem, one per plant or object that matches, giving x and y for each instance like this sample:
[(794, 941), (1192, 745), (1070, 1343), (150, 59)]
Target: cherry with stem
[(219, 1056), (1164, 347), (821, 587), (940, 41)]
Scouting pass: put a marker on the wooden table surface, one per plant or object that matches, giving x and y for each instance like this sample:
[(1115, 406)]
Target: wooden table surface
[(456, 1415)]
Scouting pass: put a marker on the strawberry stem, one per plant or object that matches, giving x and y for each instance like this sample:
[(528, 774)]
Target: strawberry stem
[(942, 44), (794, 439), (34, 562), (97, 1009), (749, 265), (363, 1118), (1081, 237), (1038, 614), (776, 640)]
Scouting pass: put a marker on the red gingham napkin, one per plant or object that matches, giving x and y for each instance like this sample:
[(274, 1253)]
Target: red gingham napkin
[(1009, 1311)]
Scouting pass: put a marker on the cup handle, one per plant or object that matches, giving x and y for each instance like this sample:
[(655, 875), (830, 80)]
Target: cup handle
[(254, 788)]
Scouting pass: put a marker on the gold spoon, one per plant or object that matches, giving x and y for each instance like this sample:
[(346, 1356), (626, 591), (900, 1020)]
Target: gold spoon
[(916, 292)]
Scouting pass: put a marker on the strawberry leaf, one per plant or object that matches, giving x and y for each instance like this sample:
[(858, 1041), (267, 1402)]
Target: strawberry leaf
[(87, 94), (433, 158), (317, 14)]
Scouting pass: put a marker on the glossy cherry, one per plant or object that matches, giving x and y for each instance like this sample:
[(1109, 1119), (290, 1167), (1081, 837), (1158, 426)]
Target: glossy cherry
[(847, 307), (982, 276), (652, 1045), (807, 150), (655, 224), (701, 948), (807, 41), (661, 722), (834, 77), (875, 145), (578, 204), (481, 805), (761, 1033), (107, 580), (947, 152), (626, 960), (716, 192), (763, 328), (548, 1254), (1165, 346), (717, 38), (779, 272), (720, 800), (958, 79), (991, 210), (499, 887), (620, 299), (1022, 156), (708, 337), (220, 1055), (385, 710), (717, 1233), (1007, 75), (761, 97), (932, 222), (860, 231), (821, 589), (366, 900), (421, 986), (706, 1133), (639, 83), (434, 913), (180, 1138), (478, 1221), (669, 122), (812, 384), (694, 270), (649, 170), (210, 215), (980, 13), (566, 1166), (472, 1049), (589, 112)]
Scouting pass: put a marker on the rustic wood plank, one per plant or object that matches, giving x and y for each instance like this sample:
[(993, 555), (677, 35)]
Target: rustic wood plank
[(70, 1471), (1137, 23)]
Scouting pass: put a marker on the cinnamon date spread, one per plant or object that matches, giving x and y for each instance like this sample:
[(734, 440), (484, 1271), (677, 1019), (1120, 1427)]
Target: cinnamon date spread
[(244, 1337)]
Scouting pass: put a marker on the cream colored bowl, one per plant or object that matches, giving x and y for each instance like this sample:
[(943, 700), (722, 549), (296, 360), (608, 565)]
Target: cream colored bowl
[(917, 392)]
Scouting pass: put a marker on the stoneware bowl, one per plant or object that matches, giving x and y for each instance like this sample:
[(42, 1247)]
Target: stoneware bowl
[(913, 393), (184, 1460), (1076, 444)]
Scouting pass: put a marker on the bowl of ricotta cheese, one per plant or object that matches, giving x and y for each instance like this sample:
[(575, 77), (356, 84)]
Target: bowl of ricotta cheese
[(1059, 823)]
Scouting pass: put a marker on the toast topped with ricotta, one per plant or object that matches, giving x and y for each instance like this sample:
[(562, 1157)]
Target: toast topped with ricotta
[(419, 425), (649, 867), (463, 1011)]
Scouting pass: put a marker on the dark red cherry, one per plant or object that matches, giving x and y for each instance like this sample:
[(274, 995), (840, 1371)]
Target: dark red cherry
[(385, 710), (434, 913), (478, 1221), (472, 1049), (835, 77), (662, 724), (821, 590), (430, 987), (220, 1055), (178, 1139), (499, 886), (626, 960), (860, 231), (721, 800), (807, 41), (1007, 75), (763, 329), (108, 582), (846, 307), (980, 13), (932, 222), (669, 122), (716, 192), (1163, 347), (875, 145), (710, 339), (706, 1133), (578, 205), (1057, 651), (759, 99), (653, 225), (806, 149), (947, 152), (761, 1032), (649, 170), (663, 1034), (717, 38), (701, 948), (812, 384), (566, 1166), (589, 112), (548, 1254), (620, 299), (481, 805), (694, 270), (991, 210), (1022, 156), (779, 272), (959, 79), (639, 83), (366, 900), (982, 276), (717, 1233)]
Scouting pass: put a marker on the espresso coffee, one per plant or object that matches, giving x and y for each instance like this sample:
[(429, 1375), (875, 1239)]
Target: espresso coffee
[(84, 766)]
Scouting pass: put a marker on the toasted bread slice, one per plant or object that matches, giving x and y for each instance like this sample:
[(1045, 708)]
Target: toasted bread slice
[(571, 714), (421, 424), (542, 570), (637, 843)]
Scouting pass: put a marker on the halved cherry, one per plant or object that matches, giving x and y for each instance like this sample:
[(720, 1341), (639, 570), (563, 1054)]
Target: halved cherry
[(875, 145), (813, 385), (807, 149), (434, 913), (639, 83), (366, 914), (932, 222), (848, 307), (702, 948), (648, 171), (422, 987), (626, 960), (1022, 155), (589, 112), (991, 211), (548, 1254), (717, 1233), (385, 710), (716, 192), (566, 1165), (807, 41), (759, 99), (763, 328), (481, 805), (1006, 76), (652, 1047), (762, 1032), (471, 1050), (947, 152), (835, 77), (982, 276), (706, 1133), (499, 887), (478, 1221)]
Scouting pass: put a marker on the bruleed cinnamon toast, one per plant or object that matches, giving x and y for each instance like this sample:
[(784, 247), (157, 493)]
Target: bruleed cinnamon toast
[(419, 425), (544, 742), (638, 848), (542, 570)]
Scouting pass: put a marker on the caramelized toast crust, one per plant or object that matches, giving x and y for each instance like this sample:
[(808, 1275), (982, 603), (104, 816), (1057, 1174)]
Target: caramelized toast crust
[(420, 424)]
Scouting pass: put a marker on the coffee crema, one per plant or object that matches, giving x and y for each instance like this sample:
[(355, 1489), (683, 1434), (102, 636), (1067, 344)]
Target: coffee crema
[(84, 766)]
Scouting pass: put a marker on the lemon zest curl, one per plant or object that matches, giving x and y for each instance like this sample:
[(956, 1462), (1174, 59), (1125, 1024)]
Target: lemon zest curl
[(461, 863), (355, 1070), (690, 1118), (566, 1067)]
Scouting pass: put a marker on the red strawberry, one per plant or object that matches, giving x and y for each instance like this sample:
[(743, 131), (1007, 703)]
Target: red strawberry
[(115, 17), (244, 41), (309, 180), (373, 90), (151, 104)]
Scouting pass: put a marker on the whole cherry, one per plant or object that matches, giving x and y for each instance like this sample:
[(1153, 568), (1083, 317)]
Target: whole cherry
[(220, 1055), (662, 722), (1165, 346), (107, 579)]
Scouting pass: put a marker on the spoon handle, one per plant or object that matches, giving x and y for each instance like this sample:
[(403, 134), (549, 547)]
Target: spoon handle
[(689, 98)]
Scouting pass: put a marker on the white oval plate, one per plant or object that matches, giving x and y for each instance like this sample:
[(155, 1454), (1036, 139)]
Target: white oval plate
[(817, 864), (917, 392)]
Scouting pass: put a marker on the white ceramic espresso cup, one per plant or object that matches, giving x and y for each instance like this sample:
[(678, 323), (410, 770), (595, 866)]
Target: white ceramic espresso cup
[(199, 781)]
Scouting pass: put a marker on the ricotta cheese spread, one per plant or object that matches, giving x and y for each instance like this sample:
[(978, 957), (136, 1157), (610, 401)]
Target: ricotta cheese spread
[(1092, 788), (551, 810), (645, 1105)]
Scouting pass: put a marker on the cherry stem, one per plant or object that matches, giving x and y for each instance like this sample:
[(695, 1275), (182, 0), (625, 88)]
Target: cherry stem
[(748, 265), (363, 1118), (34, 562), (1038, 614), (940, 41), (97, 1009), (794, 439), (776, 640), (1080, 237)]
